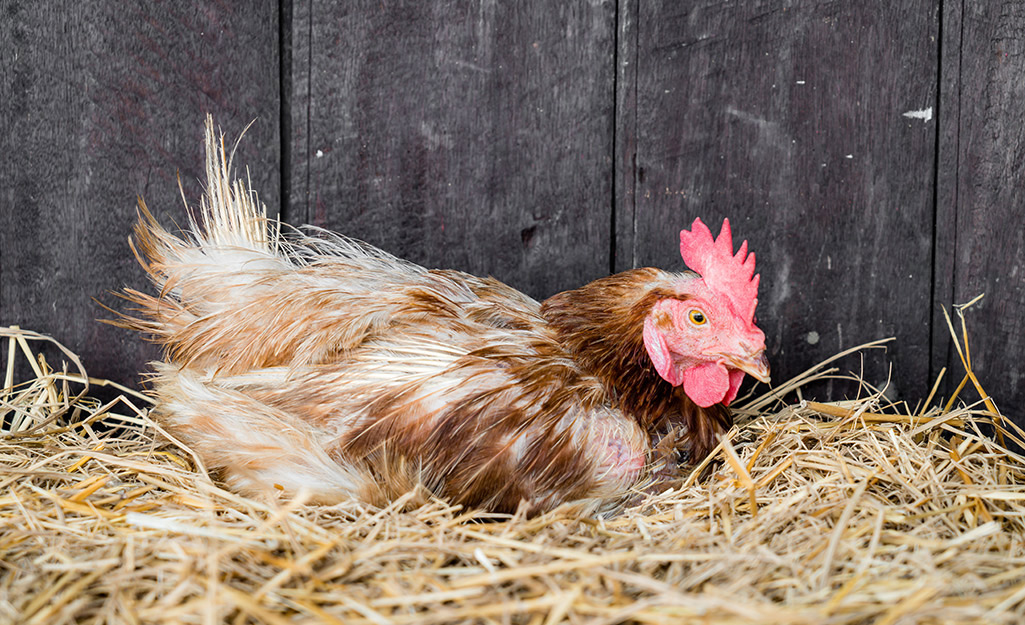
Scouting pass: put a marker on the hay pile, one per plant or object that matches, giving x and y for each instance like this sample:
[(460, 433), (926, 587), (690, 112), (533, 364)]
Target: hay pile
[(816, 513)]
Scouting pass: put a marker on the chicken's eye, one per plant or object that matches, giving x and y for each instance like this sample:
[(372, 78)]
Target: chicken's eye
[(697, 317)]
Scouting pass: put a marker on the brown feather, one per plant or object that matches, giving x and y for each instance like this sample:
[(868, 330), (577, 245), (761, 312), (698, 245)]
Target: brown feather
[(601, 325)]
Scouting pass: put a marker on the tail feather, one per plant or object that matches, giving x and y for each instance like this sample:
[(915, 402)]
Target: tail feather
[(231, 231), (233, 214), (217, 264), (233, 293)]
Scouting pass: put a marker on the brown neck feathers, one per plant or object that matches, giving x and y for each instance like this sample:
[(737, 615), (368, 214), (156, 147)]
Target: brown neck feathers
[(601, 324)]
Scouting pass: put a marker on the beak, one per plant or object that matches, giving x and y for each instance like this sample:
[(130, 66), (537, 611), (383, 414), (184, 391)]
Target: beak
[(755, 365)]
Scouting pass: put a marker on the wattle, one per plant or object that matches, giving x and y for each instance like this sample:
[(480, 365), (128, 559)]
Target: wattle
[(712, 383), (736, 378)]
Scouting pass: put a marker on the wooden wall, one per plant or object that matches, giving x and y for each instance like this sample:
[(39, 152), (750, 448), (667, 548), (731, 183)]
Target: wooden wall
[(101, 102), (871, 152)]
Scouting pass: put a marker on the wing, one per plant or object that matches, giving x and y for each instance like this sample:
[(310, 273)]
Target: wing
[(485, 420), (392, 374)]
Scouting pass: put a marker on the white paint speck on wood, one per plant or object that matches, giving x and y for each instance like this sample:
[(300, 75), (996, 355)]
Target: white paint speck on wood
[(923, 114)]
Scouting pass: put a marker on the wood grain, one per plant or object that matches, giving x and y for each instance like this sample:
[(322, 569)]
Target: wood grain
[(788, 118), (989, 238), (948, 113), (467, 135), (546, 143), (104, 102)]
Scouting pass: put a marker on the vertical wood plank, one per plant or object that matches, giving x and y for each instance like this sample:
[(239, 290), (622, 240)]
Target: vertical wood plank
[(790, 118), (103, 102), (471, 135), (948, 115), (625, 180), (989, 235)]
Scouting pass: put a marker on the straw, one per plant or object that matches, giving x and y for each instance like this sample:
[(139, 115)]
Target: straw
[(810, 512)]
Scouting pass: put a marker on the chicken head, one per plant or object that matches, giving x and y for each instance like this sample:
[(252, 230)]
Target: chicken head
[(705, 337)]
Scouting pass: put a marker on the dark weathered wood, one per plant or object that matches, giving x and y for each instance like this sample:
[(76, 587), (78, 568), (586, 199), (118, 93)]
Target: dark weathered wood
[(470, 135), (789, 118), (498, 137), (102, 102), (625, 173), (948, 113), (990, 195)]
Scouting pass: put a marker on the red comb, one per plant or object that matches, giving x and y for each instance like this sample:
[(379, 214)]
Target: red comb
[(723, 272)]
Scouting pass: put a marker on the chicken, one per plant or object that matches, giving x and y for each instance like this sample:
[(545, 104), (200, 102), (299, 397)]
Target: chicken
[(309, 361)]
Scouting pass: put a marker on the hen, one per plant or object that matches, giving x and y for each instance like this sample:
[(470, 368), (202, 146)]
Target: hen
[(312, 361)]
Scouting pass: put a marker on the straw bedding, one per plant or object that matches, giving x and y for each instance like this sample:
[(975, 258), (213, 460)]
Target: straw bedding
[(847, 512)]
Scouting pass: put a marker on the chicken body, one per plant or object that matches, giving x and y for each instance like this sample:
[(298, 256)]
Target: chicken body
[(315, 362)]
